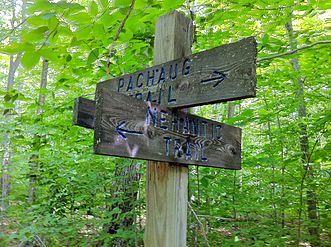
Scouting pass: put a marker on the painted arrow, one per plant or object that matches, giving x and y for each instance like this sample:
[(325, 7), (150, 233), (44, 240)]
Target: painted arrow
[(121, 131), (218, 77)]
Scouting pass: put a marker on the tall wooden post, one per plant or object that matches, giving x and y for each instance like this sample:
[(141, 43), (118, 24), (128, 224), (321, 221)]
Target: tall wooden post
[(166, 188)]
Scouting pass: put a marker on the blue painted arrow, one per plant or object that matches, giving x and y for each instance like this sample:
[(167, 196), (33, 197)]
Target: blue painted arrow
[(219, 77), (121, 131)]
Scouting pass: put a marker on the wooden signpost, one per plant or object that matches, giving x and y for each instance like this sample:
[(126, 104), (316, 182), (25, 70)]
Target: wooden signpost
[(133, 128), (84, 113), (148, 125), (220, 74)]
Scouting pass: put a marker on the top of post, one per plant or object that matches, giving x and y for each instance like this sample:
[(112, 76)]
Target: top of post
[(173, 37)]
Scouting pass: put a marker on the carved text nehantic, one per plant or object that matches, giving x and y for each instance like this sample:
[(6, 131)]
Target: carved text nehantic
[(132, 128)]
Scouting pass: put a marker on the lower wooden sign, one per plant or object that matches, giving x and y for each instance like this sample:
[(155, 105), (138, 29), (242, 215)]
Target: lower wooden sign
[(84, 112), (128, 127)]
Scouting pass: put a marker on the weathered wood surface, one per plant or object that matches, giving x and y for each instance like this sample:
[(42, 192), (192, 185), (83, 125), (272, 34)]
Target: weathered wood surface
[(224, 73), (132, 128), (166, 203), (167, 183), (84, 113)]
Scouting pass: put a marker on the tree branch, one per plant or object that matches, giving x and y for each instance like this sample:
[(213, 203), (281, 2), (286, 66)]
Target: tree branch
[(12, 30), (200, 223), (321, 42), (119, 30), (279, 8)]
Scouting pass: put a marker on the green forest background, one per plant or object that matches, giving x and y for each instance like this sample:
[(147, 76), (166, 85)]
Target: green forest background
[(56, 192)]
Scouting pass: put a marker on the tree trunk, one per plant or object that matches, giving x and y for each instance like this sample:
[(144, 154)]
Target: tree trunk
[(14, 62), (34, 158), (273, 190), (230, 114), (313, 227), (283, 192), (125, 190), (7, 153), (5, 184), (231, 109)]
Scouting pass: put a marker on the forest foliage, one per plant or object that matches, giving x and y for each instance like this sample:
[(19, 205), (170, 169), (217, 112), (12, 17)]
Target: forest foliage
[(56, 192)]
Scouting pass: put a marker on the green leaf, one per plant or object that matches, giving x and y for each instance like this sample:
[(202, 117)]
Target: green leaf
[(16, 48), (80, 18), (48, 16), (94, 54), (37, 20), (93, 9), (121, 3), (40, 5), (126, 35), (68, 58), (64, 31), (98, 30), (83, 33), (9, 105), (48, 53), (111, 20), (72, 7), (27, 234), (171, 4), (104, 3), (53, 23), (35, 35), (204, 182), (30, 59)]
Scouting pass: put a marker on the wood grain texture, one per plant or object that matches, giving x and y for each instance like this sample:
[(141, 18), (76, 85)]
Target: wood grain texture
[(166, 183), (84, 113), (132, 128), (224, 73), (166, 192)]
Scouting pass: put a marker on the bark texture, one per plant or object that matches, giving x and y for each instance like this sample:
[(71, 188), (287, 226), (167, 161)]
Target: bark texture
[(34, 158), (14, 62), (124, 193), (313, 226)]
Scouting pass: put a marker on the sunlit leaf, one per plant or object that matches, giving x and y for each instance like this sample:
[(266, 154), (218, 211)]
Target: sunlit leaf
[(30, 59), (94, 54)]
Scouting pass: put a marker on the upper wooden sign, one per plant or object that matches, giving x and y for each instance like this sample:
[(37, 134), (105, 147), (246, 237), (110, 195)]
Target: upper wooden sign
[(220, 74), (128, 127)]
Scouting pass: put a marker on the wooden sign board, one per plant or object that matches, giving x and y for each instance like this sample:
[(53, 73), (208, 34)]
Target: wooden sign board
[(220, 74), (84, 113), (132, 128)]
